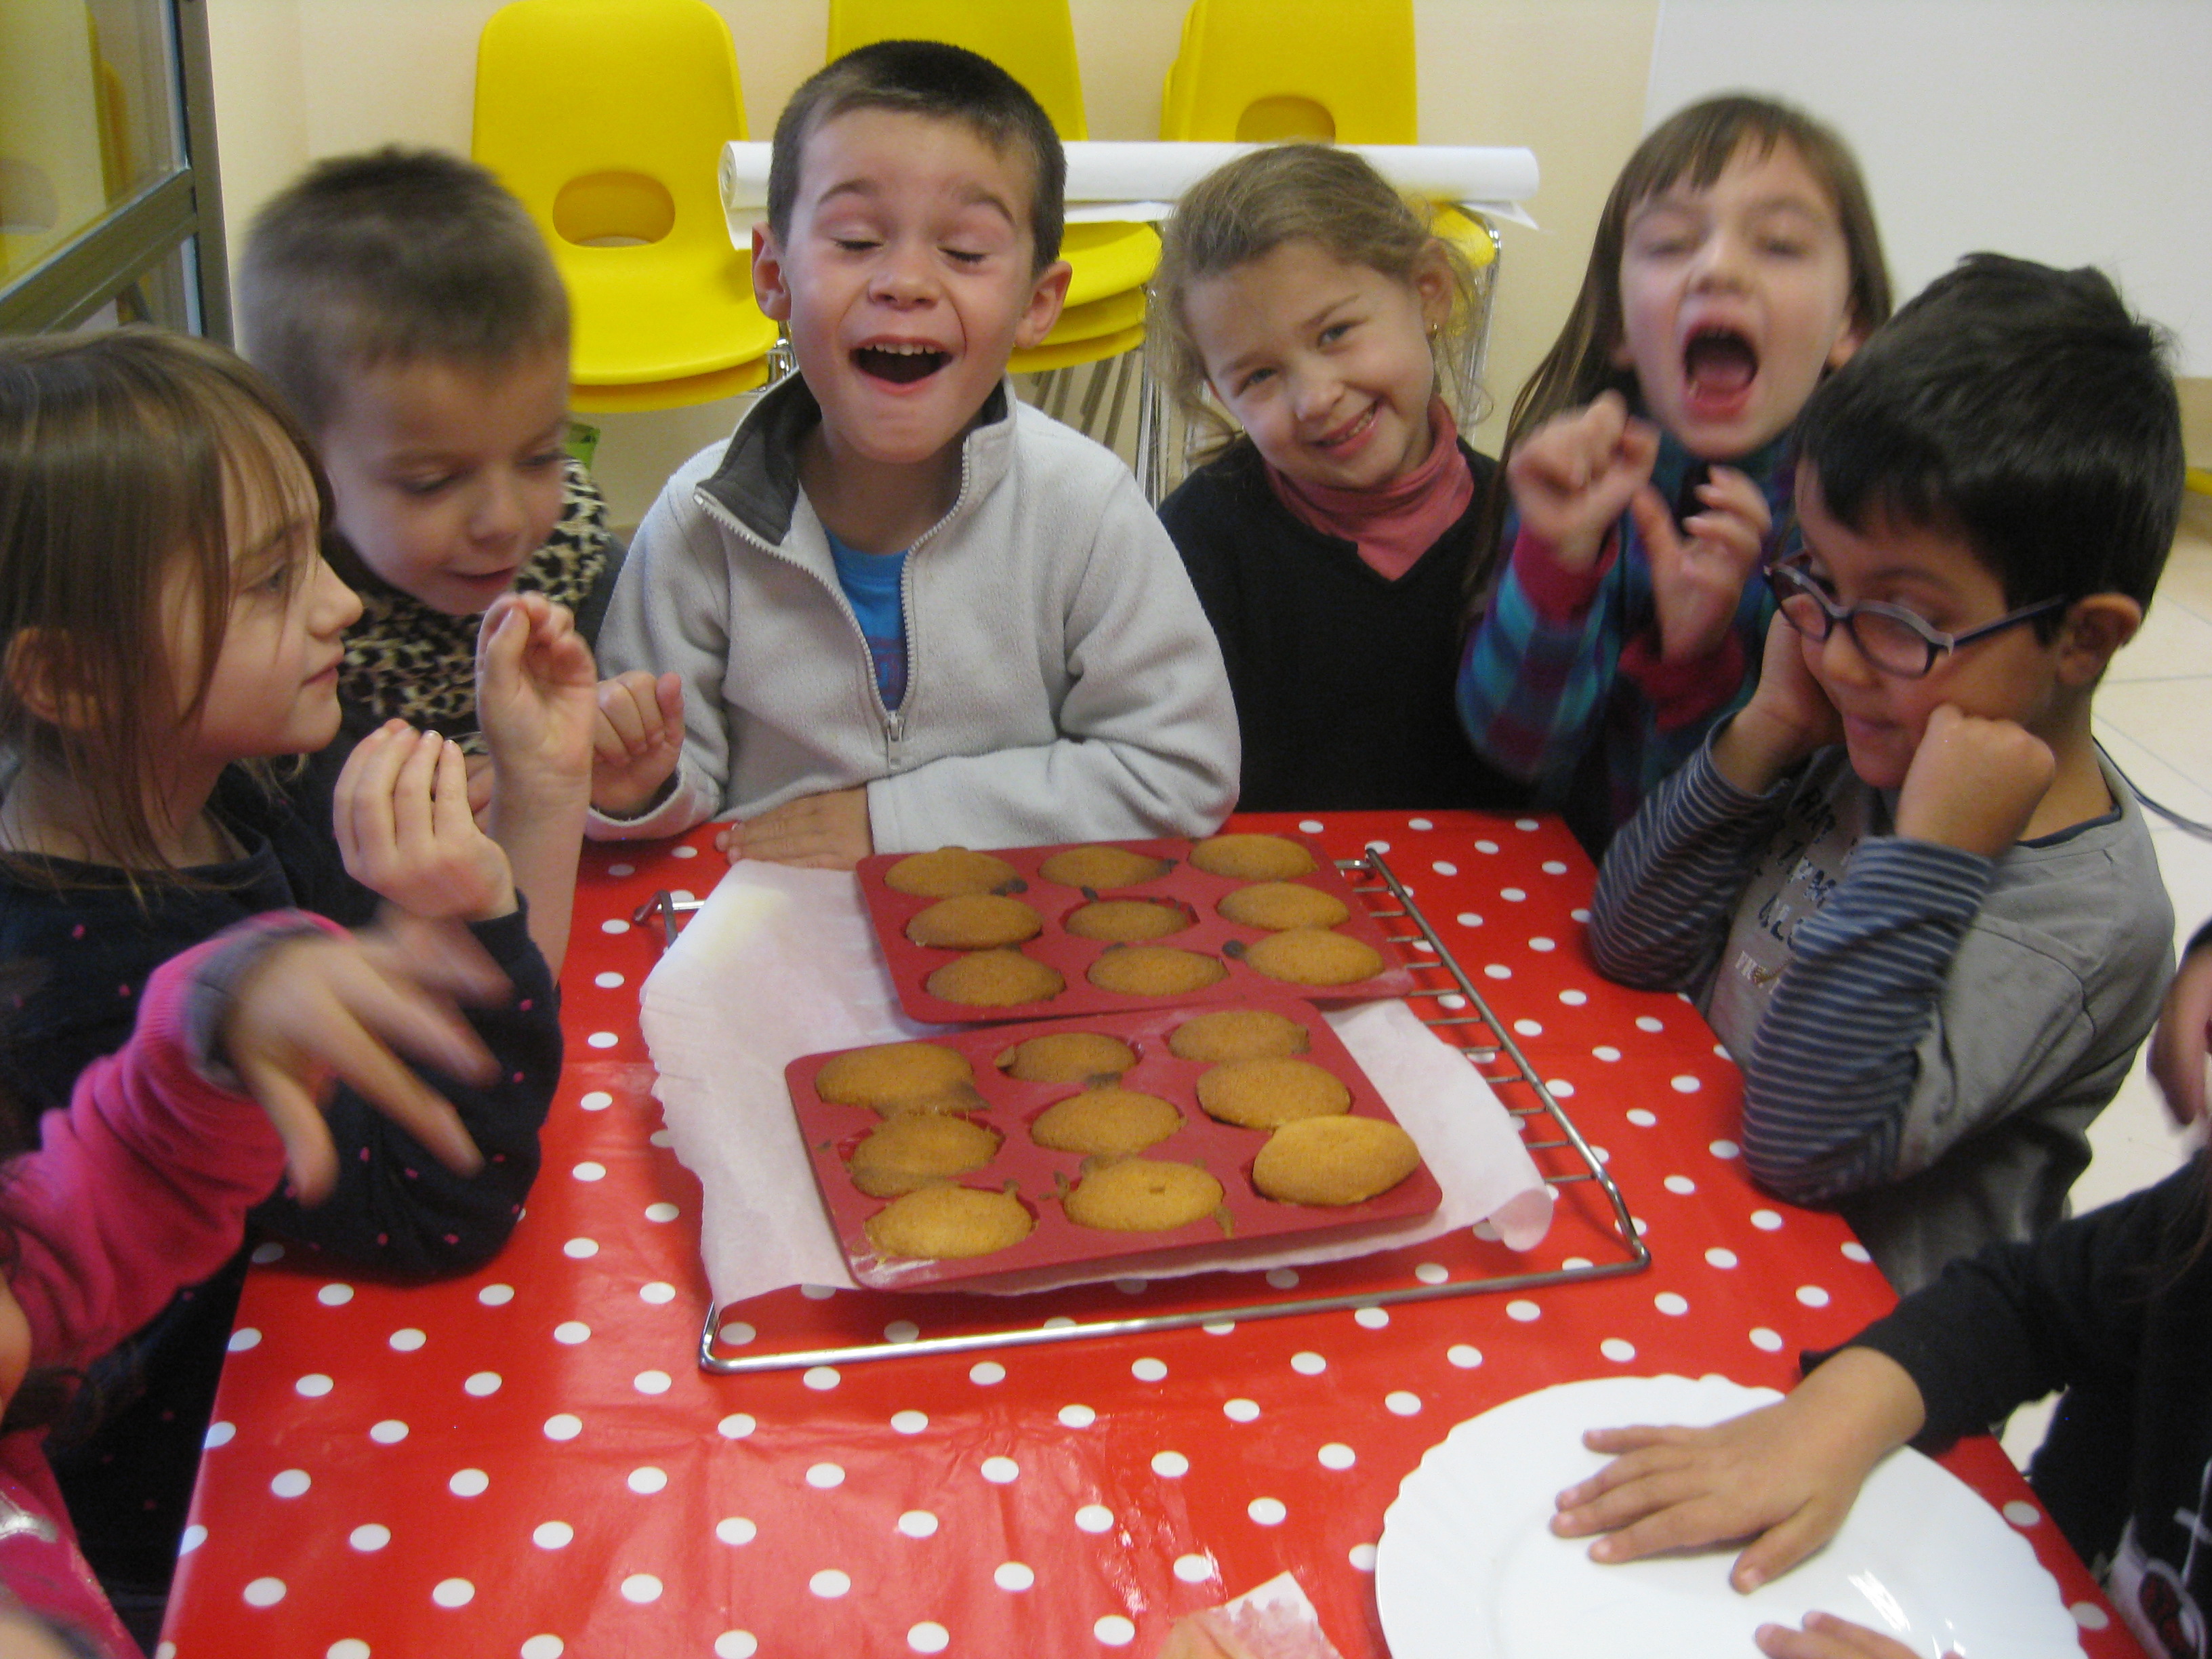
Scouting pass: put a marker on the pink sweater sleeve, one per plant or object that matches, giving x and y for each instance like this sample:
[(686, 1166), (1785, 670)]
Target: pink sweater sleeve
[(140, 1186)]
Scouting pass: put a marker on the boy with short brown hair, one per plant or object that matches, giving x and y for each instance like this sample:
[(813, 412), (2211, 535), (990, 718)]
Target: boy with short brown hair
[(906, 609)]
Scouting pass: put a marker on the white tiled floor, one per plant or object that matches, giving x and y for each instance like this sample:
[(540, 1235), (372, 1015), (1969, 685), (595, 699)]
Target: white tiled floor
[(2154, 719)]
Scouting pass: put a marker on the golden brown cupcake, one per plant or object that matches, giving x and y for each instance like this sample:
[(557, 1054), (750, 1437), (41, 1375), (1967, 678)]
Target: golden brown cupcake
[(1313, 956), (975, 922), (1276, 905), (898, 1076), (912, 1149), (1143, 1195), (1101, 868), (1107, 1123), (1155, 970), (1237, 1034), (996, 979), (937, 1223), (1126, 921), (948, 872), (1266, 1094), (1334, 1160), (1067, 1057), (1251, 858)]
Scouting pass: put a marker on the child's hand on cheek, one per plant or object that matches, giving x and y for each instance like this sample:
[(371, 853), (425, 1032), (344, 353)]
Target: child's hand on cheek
[(828, 831), (1575, 474), (535, 684), (404, 828), (1697, 583), (637, 741), (1788, 718), (1973, 783)]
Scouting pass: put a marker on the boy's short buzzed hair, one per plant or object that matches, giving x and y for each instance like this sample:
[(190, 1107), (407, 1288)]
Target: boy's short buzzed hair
[(946, 82), (390, 257), (2021, 408)]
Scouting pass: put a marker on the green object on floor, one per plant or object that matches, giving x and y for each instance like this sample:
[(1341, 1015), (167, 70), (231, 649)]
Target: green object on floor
[(583, 443)]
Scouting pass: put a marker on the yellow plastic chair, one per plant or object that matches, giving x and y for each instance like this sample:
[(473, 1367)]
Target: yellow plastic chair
[(1335, 71), (607, 117), (1034, 41)]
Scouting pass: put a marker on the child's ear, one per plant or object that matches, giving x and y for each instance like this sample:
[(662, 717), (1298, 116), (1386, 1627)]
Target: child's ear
[(43, 674), (769, 286), (1433, 287), (2093, 630), (1847, 344), (1046, 298)]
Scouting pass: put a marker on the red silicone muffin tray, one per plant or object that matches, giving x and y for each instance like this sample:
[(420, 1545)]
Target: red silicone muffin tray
[(1248, 1223), (1183, 884)]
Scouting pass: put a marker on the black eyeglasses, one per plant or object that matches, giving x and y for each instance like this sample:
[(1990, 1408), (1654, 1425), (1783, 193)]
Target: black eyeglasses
[(1887, 636)]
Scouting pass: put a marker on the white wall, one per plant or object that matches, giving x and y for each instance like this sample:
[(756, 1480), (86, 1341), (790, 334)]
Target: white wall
[(2072, 131)]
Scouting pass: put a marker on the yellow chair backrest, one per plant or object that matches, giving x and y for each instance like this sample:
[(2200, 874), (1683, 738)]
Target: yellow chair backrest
[(608, 117), (1250, 71), (1033, 41)]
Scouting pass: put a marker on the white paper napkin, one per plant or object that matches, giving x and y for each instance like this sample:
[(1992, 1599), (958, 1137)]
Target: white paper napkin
[(1142, 180), (780, 962)]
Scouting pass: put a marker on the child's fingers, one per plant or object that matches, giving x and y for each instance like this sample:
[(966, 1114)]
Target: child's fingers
[(1638, 447), (1727, 490), (668, 696), (361, 803), (1662, 545), (731, 840), (625, 721), (412, 789), (443, 957), (452, 813), (310, 1161)]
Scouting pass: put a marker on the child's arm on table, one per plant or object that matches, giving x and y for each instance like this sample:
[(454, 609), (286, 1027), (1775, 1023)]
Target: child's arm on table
[(535, 701), (406, 831), (142, 1183), (1541, 661), (1783, 1476), (828, 831), (1842, 1059), (1667, 889)]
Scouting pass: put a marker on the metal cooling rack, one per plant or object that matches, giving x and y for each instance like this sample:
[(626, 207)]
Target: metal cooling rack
[(1454, 1005)]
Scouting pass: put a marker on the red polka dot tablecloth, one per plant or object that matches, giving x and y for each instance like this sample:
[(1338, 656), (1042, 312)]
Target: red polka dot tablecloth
[(530, 1461)]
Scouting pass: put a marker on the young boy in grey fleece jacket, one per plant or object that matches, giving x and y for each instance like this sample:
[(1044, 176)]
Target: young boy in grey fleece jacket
[(899, 609)]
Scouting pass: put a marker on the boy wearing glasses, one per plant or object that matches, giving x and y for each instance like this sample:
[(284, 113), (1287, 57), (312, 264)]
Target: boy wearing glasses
[(1901, 882)]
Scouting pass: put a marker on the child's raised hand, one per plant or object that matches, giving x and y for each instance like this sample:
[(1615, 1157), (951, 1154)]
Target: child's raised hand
[(318, 1007), (1788, 718), (1973, 783), (1827, 1637), (1697, 582), (1575, 474), (828, 831), (1783, 1476), (636, 740), (535, 685), (2178, 1047), (406, 832)]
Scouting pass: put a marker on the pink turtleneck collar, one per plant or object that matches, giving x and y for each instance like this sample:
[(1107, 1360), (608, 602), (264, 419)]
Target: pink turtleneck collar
[(1395, 525)]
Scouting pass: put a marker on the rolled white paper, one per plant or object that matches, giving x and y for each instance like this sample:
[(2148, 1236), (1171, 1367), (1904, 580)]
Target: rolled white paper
[(1128, 180)]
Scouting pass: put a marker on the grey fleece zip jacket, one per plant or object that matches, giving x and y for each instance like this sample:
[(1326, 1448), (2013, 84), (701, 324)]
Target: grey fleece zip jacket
[(1062, 682)]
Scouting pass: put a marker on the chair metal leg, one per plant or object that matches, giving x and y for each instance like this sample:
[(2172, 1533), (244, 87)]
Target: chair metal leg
[(1121, 372)]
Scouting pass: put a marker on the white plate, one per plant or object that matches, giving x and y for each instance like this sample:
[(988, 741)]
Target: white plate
[(1467, 1568)]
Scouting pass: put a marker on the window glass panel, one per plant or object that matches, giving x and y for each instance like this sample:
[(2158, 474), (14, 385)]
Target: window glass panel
[(88, 117)]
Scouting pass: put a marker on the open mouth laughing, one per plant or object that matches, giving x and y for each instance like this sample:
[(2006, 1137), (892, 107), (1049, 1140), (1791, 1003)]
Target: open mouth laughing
[(1718, 366), (900, 362)]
